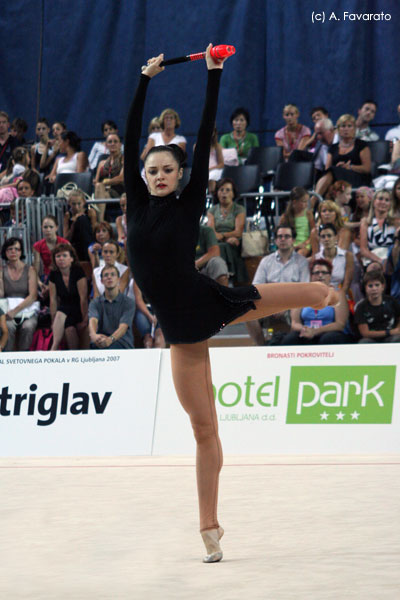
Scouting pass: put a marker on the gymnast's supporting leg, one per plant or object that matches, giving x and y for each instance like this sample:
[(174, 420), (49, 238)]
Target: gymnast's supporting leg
[(192, 379), (277, 297)]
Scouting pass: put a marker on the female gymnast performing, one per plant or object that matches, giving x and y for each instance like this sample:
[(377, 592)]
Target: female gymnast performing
[(190, 307)]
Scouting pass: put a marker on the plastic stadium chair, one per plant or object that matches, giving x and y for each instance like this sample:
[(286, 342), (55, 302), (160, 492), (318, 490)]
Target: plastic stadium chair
[(380, 155), (247, 178), (267, 158), (82, 180), (291, 174)]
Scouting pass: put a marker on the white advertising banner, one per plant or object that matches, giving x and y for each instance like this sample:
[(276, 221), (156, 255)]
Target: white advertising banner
[(78, 403), (288, 400)]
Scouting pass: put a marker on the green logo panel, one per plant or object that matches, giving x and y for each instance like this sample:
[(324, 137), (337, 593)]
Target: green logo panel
[(338, 395)]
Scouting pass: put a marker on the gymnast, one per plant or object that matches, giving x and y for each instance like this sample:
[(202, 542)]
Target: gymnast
[(190, 307)]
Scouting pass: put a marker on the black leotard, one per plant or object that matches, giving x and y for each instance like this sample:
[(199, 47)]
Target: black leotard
[(163, 233)]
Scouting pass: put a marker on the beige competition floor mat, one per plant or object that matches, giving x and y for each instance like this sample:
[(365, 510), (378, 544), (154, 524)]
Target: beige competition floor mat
[(301, 528)]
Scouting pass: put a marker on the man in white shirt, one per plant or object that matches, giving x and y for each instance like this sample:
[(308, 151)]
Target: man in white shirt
[(284, 265), (365, 115), (393, 134)]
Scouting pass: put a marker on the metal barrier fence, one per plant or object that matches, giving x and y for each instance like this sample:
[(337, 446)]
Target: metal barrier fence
[(29, 213)]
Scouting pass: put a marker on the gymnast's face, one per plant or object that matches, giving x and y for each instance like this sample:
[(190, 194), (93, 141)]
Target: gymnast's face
[(162, 173)]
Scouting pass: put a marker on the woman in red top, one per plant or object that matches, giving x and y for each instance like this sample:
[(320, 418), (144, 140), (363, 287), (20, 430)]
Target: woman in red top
[(43, 248)]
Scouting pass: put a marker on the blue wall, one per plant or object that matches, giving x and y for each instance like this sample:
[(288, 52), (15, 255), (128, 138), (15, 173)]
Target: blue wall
[(79, 61)]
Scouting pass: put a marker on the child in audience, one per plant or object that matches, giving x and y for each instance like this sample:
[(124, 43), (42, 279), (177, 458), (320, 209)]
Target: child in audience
[(340, 192), (378, 316), (300, 218), (77, 227)]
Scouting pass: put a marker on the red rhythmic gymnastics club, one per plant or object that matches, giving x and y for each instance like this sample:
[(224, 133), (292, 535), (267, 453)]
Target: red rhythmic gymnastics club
[(217, 53)]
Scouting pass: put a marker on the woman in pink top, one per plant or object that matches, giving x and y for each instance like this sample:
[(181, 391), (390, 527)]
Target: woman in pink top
[(43, 248), (293, 136)]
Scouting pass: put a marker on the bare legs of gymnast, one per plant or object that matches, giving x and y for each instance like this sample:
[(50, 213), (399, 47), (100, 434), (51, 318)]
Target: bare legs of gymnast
[(191, 373)]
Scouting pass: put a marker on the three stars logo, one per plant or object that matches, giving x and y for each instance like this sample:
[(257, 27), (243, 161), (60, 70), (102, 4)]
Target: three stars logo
[(339, 416)]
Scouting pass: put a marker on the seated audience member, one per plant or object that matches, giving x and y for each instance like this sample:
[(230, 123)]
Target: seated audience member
[(364, 197), (21, 183), (396, 198), (317, 113), (208, 256), (77, 227), (169, 121), (365, 115), (111, 255), (239, 138), (340, 192), (109, 180), (17, 165), (342, 260), (42, 250), (284, 265), (68, 297), (324, 132), (51, 147), (227, 219), (102, 233), (73, 159), (378, 229), (378, 316), (7, 142), (18, 283), (329, 212), (393, 266), (300, 218), (111, 315), (18, 129), (349, 159), (120, 221), (154, 125), (393, 134), (41, 147), (293, 136), (325, 326), (3, 331), (100, 148)]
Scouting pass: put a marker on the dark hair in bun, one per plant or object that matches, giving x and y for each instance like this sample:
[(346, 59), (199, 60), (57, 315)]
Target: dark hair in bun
[(176, 151)]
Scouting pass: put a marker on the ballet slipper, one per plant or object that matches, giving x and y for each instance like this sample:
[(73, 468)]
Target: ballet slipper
[(211, 539)]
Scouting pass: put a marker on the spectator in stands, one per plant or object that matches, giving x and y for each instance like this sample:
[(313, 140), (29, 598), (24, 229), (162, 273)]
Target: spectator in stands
[(7, 142), (18, 129), (100, 148), (317, 113), (68, 297), (239, 138), (364, 197), (121, 221), (216, 164), (293, 136), (169, 121), (342, 260), (3, 330), (111, 255), (329, 212), (378, 316), (18, 282), (154, 125), (51, 147), (77, 227), (73, 159), (394, 266), (109, 180), (377, 231), (208, 256), (396, 198), (340, 192), (349, 159), (324, 131), (103, 232), (366, 114), (17, 165), (42, 250), (227, 219), (28, 186), (300, 218), (393, 134), (40, 150), (111, 315), (284, 265), (325, 326)]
